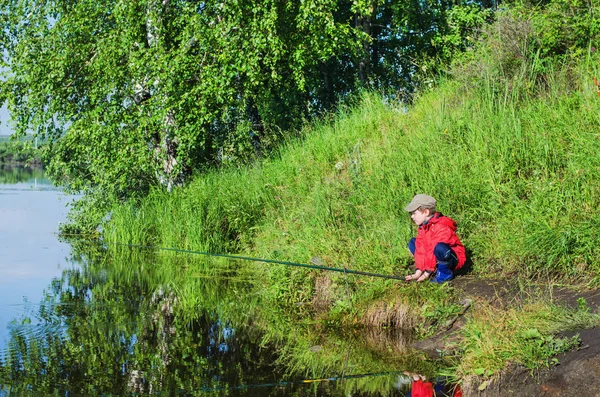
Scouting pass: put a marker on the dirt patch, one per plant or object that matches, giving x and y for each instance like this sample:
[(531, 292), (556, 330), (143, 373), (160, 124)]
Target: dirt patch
[(504, 292), (578, 373)]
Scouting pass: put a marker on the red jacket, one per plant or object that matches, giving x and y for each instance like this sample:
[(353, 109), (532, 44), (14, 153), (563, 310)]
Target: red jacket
[(422, 389), (439, 229)]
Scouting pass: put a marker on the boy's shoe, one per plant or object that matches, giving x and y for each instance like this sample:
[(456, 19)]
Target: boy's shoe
[(442, 273)]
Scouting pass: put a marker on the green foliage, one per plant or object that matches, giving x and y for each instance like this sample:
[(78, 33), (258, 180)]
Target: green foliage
[(566, 27), (528, 42), (464, 21), (132, 95), (87, 212)]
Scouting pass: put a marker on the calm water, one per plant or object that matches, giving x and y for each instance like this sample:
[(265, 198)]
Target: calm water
[(30, 254), (86, 319)]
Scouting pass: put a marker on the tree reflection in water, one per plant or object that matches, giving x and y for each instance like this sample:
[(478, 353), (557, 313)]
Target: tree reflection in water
[(17, 174), (133, 322)]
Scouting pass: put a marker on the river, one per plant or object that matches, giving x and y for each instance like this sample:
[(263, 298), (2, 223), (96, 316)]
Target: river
[(30, 253), (83, 318)]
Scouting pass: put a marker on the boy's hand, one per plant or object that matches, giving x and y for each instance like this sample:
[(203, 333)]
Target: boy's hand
[(415, 276), (424, 276)]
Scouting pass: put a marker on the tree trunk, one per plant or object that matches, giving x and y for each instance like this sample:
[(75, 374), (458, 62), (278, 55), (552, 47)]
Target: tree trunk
[(363, 22), (169, 173)]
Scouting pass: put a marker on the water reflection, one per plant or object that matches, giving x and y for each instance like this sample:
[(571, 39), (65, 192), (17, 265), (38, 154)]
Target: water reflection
[(130, 321), (23, 178), (16, 174)]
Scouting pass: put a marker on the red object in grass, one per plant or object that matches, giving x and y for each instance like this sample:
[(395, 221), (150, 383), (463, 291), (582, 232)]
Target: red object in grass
[(422, 389)]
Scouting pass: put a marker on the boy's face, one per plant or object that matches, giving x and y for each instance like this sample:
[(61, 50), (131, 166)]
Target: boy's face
[(419, 216)]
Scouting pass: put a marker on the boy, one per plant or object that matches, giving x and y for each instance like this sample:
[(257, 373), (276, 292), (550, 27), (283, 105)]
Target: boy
[(436, 249)]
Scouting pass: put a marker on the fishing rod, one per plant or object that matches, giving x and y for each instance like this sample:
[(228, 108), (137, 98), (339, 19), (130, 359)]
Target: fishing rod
[(251, 259)]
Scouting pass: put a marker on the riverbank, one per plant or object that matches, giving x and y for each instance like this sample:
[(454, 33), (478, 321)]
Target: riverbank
[(566, 374), (335, 199), (510, 154)]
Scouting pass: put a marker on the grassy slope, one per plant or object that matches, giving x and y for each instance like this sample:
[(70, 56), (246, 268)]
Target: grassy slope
[(519, 176)]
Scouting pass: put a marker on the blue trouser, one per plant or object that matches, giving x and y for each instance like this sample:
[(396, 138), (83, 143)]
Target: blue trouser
[(446, 259)]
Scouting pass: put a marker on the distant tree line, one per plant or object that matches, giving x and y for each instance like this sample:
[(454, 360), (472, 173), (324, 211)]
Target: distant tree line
[(18, 153)]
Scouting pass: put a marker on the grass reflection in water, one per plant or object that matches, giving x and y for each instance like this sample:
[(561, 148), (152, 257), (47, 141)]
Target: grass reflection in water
[(137, 322)]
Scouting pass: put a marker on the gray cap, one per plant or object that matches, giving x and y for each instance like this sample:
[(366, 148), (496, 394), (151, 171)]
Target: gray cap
[(420, 200)]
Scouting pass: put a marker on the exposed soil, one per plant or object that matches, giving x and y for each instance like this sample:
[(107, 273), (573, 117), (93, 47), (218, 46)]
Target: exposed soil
[(506, 292), (578, 373)]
